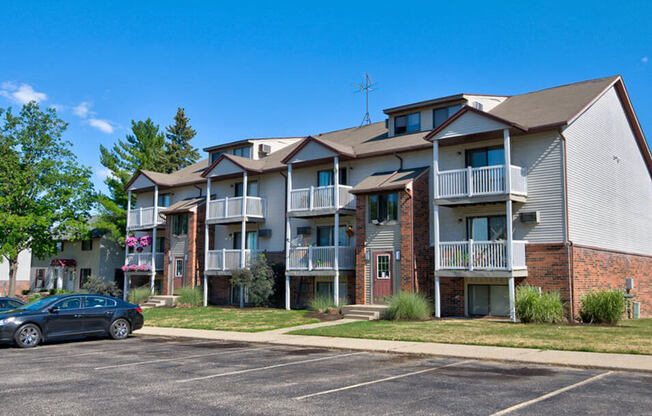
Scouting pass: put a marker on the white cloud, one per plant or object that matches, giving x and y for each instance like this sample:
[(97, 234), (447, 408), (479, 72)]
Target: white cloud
[(644, 59), (83, 110), (102, 173), (21, 94), (102, 125)]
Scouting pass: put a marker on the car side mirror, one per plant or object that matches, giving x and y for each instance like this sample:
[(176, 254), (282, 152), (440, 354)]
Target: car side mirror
[(54, 309)]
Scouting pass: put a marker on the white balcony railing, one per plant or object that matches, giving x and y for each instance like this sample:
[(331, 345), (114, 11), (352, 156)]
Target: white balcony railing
[(145, 218), (480, 255), (144, 261), (486, 180), (225, 208), (321, 197), (229, 259), (321, 258)]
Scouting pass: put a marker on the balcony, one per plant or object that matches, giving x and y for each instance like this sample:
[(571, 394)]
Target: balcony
[(142, 262), (143, 218), (228, 260), (484, 184), (481, 255), (321, 258), (229, 210), (320, 200)]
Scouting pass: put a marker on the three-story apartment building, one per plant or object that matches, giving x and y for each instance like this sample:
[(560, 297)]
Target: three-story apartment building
[(461, 198)]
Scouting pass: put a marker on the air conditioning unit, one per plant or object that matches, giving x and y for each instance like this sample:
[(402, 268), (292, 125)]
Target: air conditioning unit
[(265, 233), (265, 148), (531, 217), (304, 230), (477, 105)]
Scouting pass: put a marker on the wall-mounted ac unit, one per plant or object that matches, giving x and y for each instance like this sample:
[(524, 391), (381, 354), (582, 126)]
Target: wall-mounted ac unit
[(265, 148), (531, 217), (477, 105), (265, 232), (303, 230)]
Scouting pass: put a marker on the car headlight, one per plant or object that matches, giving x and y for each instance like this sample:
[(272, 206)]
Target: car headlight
[(7, 320)]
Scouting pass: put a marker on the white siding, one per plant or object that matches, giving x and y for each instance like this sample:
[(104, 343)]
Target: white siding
[(609, 186), (312, 151), (469, 123), (141, 182), (225, 167), (24, 264)]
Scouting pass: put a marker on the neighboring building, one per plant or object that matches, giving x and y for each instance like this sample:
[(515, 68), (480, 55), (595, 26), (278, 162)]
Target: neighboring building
[(76, 261), (420, 202), (22, 278)]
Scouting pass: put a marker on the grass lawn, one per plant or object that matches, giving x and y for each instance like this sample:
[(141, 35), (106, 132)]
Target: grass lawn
[(226, 319), (631, 336)]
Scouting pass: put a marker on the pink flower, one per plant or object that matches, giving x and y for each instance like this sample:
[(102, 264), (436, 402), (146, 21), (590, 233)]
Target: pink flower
[(131, 241), (146, 240)]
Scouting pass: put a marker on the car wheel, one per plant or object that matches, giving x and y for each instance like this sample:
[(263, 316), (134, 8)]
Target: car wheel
[(28, 336), (119, 329)]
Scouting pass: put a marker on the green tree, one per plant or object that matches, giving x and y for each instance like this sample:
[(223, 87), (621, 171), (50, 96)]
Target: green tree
[(179, 151), (258, 279), (45, 194), (143, 148)]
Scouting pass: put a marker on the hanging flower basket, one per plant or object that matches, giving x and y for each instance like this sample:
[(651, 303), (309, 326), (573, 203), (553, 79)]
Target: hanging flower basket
[(131, 241), (136, 268), (146, 240), (139, 249)]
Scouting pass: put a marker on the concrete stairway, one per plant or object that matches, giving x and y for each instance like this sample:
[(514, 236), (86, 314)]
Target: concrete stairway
[(364, 312), (159, 302)]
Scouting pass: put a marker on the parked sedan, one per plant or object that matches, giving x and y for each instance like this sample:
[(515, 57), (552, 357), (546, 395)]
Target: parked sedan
[(7, 304), (69, 315)]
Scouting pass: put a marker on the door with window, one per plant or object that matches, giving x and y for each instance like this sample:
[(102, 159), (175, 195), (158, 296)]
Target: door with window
[(252, 189), (251, 242), (178, 268), (382, 272), (488, 300), (486, 228)]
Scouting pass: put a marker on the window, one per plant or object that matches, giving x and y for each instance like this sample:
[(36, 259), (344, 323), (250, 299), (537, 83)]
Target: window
[(87, 245), (382, 266), (486, 156), (252, 189), (39, 281), (178, 268), (243, 152), (488, 300), (59, 246), (407, 123), (160, 244), (325, 177), (164, 200), (250, 244), (67, 304), (486, 228), (325, 237), (180, 224), (383, 207), (442, 114), (98, 302), (215, 156), (84, 274), (325, 289)]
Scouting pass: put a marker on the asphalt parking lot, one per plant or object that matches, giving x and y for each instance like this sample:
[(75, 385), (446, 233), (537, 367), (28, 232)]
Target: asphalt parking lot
[(159, 375)]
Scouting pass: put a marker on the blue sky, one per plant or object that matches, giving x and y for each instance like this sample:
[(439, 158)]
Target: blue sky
[(281, 69)]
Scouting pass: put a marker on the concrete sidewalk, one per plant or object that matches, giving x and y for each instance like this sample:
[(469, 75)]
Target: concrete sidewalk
[(626, 362)]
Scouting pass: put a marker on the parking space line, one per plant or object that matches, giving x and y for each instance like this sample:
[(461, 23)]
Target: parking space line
[(382, 380), (551, 394), (164, 360), (268, 367)]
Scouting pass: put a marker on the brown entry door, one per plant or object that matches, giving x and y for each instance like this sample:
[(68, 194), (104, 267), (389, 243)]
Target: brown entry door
[(382, 276), (178, 268)]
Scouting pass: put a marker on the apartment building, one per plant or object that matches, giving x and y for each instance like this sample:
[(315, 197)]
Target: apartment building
[(462, 198)]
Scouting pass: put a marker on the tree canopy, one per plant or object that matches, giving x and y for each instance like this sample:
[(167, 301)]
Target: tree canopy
[(179, 151), (45, 194)]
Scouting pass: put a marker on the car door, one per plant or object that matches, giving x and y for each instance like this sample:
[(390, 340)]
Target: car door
[(98, 313), (65, 318)]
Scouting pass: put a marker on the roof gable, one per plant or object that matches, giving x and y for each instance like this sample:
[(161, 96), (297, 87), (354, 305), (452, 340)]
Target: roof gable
[(140, 181), (317, 149)]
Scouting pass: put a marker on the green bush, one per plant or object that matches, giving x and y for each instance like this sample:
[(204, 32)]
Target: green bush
[(533, 306), (321, 303), (33, 298), (258, 279), (25, 292), (190, 296), (97, 285), (407, 306), (602, 307), (139, 295), (61, 292)]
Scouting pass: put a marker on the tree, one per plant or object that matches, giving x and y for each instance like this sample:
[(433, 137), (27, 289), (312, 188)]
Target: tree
[(258, 279), (143, 149), (45, 194), (179, 151), (97, 285)]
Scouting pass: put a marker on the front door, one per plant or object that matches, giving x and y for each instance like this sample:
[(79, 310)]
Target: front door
[(178, 271), (382, 276)]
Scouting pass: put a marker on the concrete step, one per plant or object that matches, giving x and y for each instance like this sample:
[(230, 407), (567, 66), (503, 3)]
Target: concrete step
[(360, 317), (372, 311), (161, 301)]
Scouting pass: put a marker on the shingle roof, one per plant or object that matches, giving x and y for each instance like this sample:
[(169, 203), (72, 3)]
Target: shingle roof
[(387, 181), (183, 206)]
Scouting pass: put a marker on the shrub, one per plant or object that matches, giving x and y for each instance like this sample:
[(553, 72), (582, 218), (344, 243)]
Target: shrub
[(139, 295), (258, 279), (98, 286), (603, 307), (190, 296), (33, 298), (25, 292), (533, 306), (321, 303), (409, 306), (60, 292)]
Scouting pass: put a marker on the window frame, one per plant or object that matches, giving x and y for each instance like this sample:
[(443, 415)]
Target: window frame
[(240, 186), (469, 226), (388, 202), (450, 110), (180, 221), (343, 176), (167, 198), (87, 245), (81, 274), (57, 305), (240, 150), (178, 271), (469, 152), (407, 128), (389, 266)]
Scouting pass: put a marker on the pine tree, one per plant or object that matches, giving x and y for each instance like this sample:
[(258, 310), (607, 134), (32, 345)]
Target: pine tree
[(179, 151)]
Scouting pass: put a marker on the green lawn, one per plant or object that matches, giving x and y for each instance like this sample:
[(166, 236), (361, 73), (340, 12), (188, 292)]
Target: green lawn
[(226, 319), (631, 336)]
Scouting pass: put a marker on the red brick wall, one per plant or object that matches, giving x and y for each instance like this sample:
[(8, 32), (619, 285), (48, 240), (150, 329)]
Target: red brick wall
[(424, 252), (452, 296), (407, 263), (219, 290), (192, 249), (358, 296), (302, 289), (548, 268), (595, 269), (165, 287)]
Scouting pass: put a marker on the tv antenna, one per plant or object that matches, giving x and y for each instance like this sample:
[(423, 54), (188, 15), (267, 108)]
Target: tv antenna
[(367, 86)]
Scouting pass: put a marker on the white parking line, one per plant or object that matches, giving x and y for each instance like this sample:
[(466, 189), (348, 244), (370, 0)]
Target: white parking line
[(268, 367), (551, 394), (164, 360), (355, 386)]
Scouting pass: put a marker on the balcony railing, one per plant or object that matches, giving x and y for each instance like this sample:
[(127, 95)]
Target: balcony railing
[(229, 259), (321, 197), (480, 255), (225, 208), (144, 261), (321, 258), (145, 218), (486, 180)]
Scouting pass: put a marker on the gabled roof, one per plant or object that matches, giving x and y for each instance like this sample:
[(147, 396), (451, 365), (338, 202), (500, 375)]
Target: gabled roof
[(339, 148), (467, 109), (388, 181), (249, 165), (186, 176), (184, 206)]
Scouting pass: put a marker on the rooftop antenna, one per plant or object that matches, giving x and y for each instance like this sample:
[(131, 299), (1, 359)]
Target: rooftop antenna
[(367, 86)]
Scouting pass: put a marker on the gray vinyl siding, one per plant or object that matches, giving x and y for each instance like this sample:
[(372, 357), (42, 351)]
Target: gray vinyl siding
[(609, 186)]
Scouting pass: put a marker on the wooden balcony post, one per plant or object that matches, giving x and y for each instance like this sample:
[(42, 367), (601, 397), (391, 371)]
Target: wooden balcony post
[(223, 259), (206, 239), (311, 197), (435, 222), (471, 262), (469, 181), (507, 150), (512, 299), (288, 234), (226, 206), (309, 257), (509, 248), (140, 216)]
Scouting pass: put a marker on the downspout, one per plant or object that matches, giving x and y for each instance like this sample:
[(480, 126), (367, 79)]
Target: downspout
[(200, 190), (400, 166), (567, 243)]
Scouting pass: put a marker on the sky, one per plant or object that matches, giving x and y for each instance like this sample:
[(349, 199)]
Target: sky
[(270, 69)]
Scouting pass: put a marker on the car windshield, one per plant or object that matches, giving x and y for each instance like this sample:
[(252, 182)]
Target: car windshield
[(39, 304)]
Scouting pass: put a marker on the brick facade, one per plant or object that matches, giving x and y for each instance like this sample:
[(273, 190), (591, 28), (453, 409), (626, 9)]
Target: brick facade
[(548, 267), (424, 251), (360, 250)]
